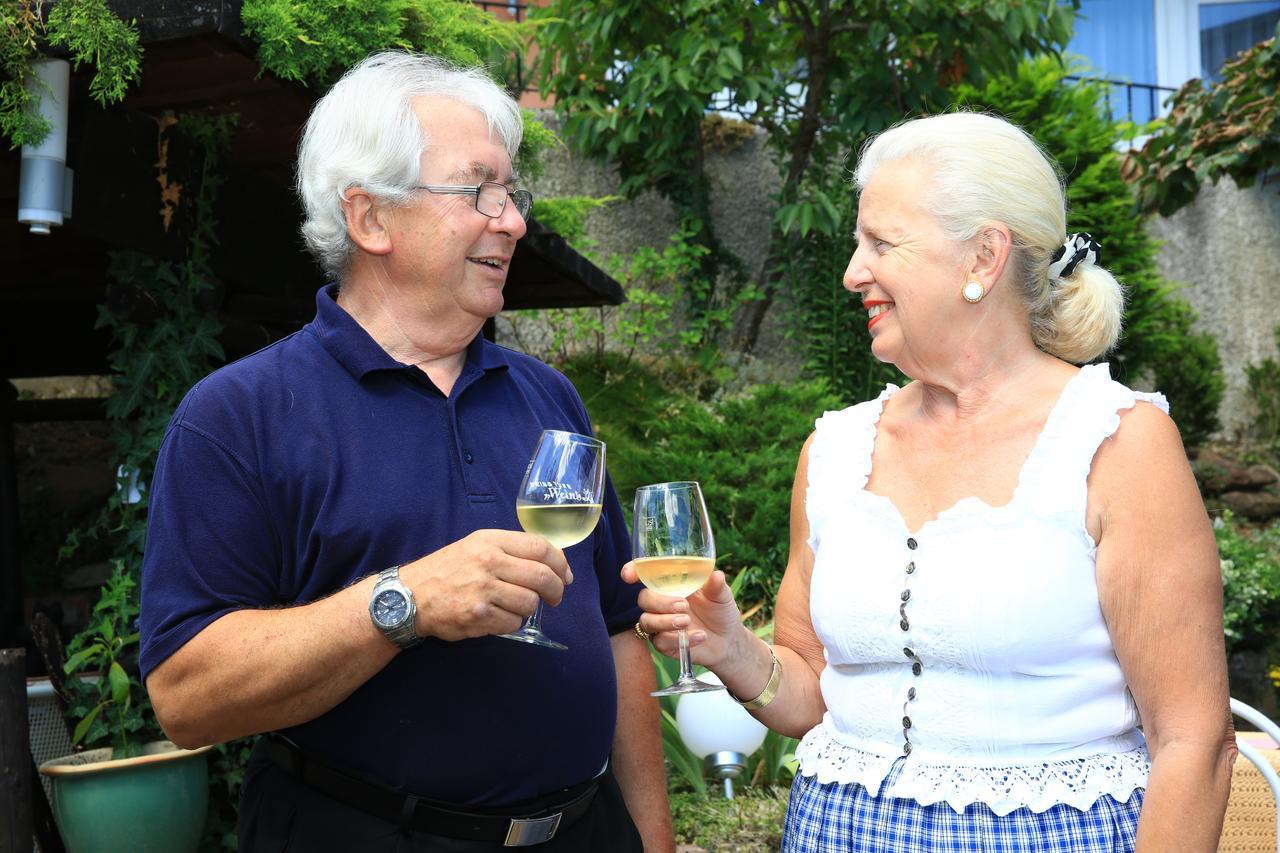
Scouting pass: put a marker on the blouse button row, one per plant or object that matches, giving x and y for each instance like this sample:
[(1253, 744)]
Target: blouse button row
[(916, 665)]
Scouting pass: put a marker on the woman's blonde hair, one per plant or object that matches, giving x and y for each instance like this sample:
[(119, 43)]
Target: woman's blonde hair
[(983, 169)]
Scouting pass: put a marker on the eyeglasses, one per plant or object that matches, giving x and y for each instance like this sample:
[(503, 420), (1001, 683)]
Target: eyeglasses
[(491, 197)]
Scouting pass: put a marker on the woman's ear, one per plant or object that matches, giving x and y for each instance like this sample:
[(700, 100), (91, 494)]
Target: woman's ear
[(366, 222), (993, 246)]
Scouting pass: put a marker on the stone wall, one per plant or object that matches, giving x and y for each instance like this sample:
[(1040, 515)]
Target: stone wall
[(1226, 249), (744, 181)]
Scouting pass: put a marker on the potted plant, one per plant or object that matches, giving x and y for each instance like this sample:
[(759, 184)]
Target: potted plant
[(138, 792)]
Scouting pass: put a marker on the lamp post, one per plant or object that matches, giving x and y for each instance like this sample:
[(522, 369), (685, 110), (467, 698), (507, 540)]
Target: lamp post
[(719, 731)]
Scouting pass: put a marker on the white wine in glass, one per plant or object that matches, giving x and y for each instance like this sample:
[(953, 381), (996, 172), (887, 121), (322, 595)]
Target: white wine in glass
[(560, 524), (674, 553), (559, 499), (681, 576)]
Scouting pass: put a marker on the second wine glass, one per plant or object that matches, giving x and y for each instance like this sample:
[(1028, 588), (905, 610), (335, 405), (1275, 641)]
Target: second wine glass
[(559, 499), (674, 553)]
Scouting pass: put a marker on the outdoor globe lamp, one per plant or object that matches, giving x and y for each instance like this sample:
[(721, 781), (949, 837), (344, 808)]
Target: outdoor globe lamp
[(719, 731)]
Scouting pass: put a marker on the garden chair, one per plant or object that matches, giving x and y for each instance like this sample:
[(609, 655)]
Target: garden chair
[(1253, 811)]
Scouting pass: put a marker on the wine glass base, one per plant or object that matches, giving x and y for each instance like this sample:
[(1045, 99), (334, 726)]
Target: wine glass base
[(534, 637), (683, 686)]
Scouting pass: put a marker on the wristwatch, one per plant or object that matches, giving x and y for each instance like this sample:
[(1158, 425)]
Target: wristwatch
[(392, 609)]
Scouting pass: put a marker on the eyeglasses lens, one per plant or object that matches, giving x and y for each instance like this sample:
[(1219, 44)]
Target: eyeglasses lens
[(491, 200)]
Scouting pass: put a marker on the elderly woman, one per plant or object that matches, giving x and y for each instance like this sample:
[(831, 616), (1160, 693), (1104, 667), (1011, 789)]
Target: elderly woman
[(1000, 625)]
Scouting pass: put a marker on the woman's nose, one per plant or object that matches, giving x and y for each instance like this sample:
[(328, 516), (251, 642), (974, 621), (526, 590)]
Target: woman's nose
[(856, 275)]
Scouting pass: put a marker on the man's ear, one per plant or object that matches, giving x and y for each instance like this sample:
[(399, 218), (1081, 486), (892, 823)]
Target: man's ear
[(993, 245), (366, 222)]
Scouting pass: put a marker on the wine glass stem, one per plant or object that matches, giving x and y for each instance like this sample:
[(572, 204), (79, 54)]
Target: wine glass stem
[(686, 663), (534, 622)]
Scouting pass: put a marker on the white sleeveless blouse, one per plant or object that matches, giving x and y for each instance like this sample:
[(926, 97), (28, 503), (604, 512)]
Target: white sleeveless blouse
[(974, 648)]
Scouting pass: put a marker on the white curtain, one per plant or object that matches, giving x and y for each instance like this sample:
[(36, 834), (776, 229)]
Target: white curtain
[(1117, 38)]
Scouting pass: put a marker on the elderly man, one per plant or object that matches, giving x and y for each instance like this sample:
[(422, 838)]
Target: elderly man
[(377, 452)]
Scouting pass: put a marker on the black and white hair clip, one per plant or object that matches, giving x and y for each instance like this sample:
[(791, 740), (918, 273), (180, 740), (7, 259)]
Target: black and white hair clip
[(1076, 249)]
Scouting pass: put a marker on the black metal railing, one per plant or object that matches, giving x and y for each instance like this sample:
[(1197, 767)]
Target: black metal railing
[(1136, 102)]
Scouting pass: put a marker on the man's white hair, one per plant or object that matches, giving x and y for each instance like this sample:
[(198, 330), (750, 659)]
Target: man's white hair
[(364, 132)]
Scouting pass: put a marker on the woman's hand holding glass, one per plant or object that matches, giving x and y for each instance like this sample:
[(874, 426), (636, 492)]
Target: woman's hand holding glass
[(674, 557), (709, 615)]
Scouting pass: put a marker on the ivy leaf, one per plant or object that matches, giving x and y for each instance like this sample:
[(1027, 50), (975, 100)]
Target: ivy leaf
[(76, 660), (119, 680), (83, 726)]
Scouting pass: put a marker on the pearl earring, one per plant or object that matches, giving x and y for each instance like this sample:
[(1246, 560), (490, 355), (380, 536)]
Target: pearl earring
[(973, 292)]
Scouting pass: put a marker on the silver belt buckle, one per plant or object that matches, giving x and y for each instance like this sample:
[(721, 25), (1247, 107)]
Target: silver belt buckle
[(530, 831)]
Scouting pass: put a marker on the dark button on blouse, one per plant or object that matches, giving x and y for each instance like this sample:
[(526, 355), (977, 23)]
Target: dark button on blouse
[(906, 595), (911, 567), (911, 693), (906, 748), (904, 624), (906, 722), (916, 668), (911, 543)]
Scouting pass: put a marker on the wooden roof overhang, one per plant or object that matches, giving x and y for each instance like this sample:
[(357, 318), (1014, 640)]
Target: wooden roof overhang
[(196, 60)]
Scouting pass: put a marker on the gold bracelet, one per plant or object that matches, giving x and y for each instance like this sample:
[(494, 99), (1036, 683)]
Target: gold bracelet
[(770, 689)]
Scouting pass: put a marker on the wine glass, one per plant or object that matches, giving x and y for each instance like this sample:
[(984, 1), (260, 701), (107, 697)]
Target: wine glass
[(559, 500), (674, 554)]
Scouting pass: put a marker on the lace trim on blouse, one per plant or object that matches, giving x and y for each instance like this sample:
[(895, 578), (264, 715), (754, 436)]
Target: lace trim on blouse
[(1038, 786)]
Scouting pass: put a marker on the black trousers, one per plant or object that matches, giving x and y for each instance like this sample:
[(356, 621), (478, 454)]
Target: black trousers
[(279, 813)]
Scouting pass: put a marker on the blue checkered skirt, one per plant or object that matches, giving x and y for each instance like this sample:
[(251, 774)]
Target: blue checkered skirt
[(844, 818)]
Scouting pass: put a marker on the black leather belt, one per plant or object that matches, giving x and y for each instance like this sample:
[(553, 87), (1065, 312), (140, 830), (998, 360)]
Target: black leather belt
[(520, 825)]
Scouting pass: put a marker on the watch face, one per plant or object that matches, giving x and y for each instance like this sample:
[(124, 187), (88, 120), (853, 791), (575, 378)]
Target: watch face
[(390, 608)]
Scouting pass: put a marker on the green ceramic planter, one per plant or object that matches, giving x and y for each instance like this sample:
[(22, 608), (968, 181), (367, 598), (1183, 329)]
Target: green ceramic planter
[(153, 803)]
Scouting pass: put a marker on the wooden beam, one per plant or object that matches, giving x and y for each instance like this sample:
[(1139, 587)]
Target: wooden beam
[(10, 533), (15, 754)]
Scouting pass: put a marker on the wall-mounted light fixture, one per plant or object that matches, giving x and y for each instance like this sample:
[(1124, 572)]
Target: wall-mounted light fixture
[(44, 187)]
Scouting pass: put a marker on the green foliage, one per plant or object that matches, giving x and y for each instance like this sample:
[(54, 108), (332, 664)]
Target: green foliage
[(537, 139), (112, 707), (95, 36), (567, 216), (1250, 566), (742, 449), (154, 364), (825, 321), (1159, 340), (633, 80), (1229, 128), (749, 823), (652, 320), (314, 42), (92, 34), (1264, 392)]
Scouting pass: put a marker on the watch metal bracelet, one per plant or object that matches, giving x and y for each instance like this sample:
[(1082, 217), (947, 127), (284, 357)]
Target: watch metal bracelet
[(770, 688)]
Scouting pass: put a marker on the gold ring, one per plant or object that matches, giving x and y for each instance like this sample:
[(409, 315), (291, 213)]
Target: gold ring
[(642, 633)]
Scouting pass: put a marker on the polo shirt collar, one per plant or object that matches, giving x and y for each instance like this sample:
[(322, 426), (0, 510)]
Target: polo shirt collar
[(353, 347)]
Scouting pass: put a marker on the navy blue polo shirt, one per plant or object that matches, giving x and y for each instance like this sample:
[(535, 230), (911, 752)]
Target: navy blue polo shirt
[(320, 460)]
